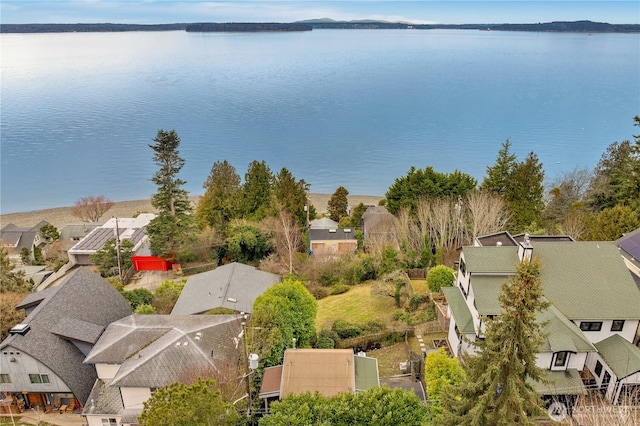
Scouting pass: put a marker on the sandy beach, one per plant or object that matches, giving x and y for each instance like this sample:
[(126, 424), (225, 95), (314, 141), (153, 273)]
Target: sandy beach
[(59, 217)]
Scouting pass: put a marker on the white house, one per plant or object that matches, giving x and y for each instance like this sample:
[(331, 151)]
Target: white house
[(140, 353), (595, 309)]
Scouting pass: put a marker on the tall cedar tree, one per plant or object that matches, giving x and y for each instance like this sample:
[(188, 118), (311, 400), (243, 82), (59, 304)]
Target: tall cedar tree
[(498, 389), (521, 186), (290, 195), (220, 201), (256, 191), (498, 175), (173, 227), (338, 204)]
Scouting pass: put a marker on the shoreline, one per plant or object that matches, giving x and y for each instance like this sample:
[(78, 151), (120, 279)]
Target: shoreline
[(61, 216)]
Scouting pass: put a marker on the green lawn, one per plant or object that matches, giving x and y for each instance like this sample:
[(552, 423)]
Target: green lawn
[(419, 286), (356, 306)]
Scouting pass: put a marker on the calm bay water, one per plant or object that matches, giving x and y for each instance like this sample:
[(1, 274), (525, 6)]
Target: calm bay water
[(355, 108)]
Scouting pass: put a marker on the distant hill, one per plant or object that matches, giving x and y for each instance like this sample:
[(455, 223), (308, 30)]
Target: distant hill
[(324, 23)]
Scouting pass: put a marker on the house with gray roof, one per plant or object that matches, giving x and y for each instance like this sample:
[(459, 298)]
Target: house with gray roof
[(141, 353), (132, 229), (326, 371), (332, 241), (593, 299), (15, 238), (41, 361), (233, 286)]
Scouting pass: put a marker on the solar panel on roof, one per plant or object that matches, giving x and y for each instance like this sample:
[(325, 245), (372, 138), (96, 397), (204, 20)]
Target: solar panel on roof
[(631, 245)]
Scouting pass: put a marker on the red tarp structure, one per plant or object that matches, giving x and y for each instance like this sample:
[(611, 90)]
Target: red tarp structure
[(150, 263)]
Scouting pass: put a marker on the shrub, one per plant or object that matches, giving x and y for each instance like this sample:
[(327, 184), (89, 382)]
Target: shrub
[(326, 339), (137, 297), (318, 292), (438, 277), (416, 300), (144, 310), (346, 330), (374, 326), (339, 289)]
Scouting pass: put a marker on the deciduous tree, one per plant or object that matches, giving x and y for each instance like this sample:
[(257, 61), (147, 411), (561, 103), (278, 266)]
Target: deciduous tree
[(285, 311), (174, 226), (438, 277), (91, 208), (441, 370), (9, 315), (380, 406), (182, 405), (498, 389), (338, 204)]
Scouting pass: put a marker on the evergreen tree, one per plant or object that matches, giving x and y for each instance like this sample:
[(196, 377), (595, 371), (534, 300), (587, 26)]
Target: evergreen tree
[(338, 204), (498, 389), (173, 228), (498, 175), (256, 191), (219, 203), (11, 280), (106, 259), (420, 184), (524, 195), (290, 195)]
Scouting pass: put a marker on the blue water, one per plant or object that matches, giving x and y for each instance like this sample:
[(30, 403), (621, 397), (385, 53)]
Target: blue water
[(336, 107)]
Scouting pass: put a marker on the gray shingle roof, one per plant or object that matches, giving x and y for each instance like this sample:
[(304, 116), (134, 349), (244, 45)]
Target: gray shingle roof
[(81, 297), (588, 280), (20, 236), (459, 309), (493, 260), (621, 356), (234, 286), (157, 350), (332, 234)]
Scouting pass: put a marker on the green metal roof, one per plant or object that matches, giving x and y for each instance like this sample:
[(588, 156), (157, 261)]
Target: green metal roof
[(366, 373), (588, 280), (486, 289), (493, 259), (459, 309), (562, 334), (567, 382), (620, 355)]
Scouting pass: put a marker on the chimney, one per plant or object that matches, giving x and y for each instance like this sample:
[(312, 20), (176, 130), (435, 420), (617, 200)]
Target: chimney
[(525, 249)]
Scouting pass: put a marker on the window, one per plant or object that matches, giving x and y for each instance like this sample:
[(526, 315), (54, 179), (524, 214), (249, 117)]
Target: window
[(617, 325), (561, 359), (591, 325), (109, 422), (39, 378), (598, 369), (4, 378)]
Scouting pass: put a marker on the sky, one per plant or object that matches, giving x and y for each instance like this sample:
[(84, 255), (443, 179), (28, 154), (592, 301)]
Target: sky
[(415, 11)]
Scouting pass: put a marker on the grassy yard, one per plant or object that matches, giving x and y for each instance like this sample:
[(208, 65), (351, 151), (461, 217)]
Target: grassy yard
[(420, 286), (357, 306), (389, 359)]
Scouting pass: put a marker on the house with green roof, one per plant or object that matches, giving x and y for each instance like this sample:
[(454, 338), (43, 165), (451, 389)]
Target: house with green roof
[(594, 304)]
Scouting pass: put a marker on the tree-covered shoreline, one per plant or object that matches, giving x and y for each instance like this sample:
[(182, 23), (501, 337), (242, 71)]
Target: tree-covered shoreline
[(556, 26)]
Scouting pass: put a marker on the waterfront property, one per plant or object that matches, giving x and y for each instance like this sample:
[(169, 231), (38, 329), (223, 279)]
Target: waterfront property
[(594, 312)]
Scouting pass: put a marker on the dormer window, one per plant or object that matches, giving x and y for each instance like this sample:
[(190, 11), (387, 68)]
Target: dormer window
[(617, 325), (561, 359)]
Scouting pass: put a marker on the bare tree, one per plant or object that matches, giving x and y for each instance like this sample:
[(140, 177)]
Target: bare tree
[(409, 232), (91, 208), (486, 213), (288, 237)]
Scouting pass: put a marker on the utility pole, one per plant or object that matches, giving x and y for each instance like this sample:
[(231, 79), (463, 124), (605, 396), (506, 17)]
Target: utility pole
[(118, 252)]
